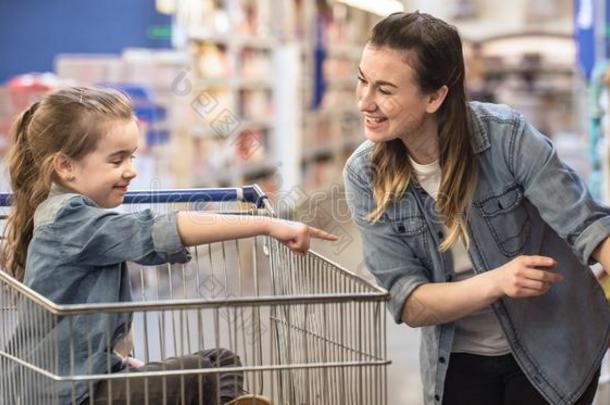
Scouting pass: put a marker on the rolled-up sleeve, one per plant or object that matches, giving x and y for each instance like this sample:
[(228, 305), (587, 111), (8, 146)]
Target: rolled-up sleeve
[(386, 255), (562, 198), (166, 239), (101, 237)]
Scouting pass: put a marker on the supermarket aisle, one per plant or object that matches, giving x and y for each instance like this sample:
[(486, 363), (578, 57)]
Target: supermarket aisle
[(404, 384)]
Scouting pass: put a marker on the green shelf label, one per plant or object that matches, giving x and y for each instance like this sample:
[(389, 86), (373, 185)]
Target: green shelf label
[(159, 32)]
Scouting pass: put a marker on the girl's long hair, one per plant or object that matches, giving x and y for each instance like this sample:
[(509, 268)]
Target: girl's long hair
[(439, 61), (70, 121)]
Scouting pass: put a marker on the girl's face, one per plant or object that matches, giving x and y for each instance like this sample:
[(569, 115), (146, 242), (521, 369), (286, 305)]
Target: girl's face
[(104, 174), (388, 95)]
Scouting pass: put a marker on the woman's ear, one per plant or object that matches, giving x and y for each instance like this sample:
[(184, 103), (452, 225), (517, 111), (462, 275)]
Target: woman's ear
[(64, 167), (435, 100)]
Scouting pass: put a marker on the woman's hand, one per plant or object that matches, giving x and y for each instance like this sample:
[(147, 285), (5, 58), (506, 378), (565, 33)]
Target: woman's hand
[(523, 277), (296, 235)]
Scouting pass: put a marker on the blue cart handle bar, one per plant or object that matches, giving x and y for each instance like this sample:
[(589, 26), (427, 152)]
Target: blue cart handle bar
[(250, 194)]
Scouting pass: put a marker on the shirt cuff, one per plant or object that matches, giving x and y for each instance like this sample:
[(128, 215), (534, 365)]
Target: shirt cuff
[(399, 294), (167, 241), (590, 239)]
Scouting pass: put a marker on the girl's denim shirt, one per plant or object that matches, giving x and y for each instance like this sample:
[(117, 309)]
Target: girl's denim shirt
[(527, 202), (78, 255)]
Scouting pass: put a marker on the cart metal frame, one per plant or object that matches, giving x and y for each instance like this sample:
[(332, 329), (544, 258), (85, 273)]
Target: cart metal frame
[(307, 331)]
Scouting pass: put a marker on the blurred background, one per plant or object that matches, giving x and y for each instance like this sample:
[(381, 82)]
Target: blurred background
[(233, 92)]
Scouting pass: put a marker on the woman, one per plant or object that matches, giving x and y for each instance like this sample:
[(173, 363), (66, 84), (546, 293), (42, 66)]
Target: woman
[(480, 233)]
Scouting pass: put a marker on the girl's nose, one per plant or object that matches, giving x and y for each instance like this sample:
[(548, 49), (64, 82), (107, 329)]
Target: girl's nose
[(131, 172)]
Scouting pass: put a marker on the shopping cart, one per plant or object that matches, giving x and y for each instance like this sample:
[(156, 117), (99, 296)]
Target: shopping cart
[(306, 330)]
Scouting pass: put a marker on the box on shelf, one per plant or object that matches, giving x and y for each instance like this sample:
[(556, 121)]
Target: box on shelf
[(89, 69)]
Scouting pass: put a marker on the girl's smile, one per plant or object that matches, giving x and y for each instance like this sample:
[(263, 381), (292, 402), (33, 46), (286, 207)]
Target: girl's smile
[(104, 174)]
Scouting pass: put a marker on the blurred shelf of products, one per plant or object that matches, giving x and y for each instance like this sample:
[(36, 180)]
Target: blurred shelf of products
[(264, 91)]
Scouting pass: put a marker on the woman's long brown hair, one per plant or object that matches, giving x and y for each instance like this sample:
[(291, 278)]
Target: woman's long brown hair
[(439, 61)]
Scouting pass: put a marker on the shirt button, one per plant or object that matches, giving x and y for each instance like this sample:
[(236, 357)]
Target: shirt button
[(440, 235), (441, 359), (449, 277), (437, 398)]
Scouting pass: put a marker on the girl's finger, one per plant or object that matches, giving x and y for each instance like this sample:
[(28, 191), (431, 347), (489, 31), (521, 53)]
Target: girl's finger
[(320, 234), (298, 245)]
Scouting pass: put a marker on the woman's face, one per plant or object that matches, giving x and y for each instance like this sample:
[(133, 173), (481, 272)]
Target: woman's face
[(389, 98)]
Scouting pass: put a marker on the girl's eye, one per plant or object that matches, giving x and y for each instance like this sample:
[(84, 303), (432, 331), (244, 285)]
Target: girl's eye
[(361, 80)]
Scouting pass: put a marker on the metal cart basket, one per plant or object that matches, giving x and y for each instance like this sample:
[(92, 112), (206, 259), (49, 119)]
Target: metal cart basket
[(306, 330)]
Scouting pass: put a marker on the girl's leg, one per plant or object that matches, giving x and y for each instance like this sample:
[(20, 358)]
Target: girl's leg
[(230, 384), (473, 380), (194, 389)]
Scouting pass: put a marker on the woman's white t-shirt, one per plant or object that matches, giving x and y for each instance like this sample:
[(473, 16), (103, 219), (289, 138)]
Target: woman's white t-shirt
[(480, 332)]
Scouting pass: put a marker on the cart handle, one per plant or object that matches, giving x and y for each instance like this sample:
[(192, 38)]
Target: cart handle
[(250, 194)]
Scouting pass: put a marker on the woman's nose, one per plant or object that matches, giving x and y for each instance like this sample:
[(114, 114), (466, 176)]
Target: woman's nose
[(366, 101)]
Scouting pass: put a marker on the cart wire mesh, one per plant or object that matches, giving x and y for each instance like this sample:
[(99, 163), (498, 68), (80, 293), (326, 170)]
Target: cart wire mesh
[(306, 330)]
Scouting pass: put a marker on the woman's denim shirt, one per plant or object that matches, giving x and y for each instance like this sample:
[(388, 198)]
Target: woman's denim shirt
[(527, 202), (77, 256)]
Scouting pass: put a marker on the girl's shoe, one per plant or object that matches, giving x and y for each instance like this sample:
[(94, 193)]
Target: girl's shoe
[(250, 400)]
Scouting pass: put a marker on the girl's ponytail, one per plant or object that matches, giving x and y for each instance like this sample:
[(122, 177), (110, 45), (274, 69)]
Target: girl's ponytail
[(28, 192), (69, 121)]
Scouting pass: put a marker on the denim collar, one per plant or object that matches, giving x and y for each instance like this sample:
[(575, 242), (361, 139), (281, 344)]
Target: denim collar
[(480, 138), (57, 189)]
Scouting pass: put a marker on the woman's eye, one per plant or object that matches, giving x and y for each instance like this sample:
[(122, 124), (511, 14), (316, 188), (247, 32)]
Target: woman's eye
[(384, 92), (361, 80)]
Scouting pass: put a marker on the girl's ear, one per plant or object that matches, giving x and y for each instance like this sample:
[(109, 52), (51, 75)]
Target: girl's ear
[(435, 100), (64, 167)]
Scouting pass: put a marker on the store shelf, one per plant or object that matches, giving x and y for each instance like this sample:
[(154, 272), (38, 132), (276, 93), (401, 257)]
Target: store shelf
[(236, 84), (342, 82), (204, 131), (247, 170), (233, 41), (331, 112), (262, 123), (345, 51), (236, 174), (252, 83), (248, 84), (231, 51), (330, 149), (333, 131), (539, 70)]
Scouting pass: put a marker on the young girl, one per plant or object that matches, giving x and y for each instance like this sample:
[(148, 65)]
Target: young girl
[(480, 232), (71, 160)]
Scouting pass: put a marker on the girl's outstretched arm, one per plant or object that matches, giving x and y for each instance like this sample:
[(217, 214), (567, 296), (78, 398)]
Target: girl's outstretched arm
[(196, 228)]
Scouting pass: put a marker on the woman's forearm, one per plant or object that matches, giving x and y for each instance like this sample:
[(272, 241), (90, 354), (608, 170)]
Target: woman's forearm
[(438, 303), (197, 228)]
